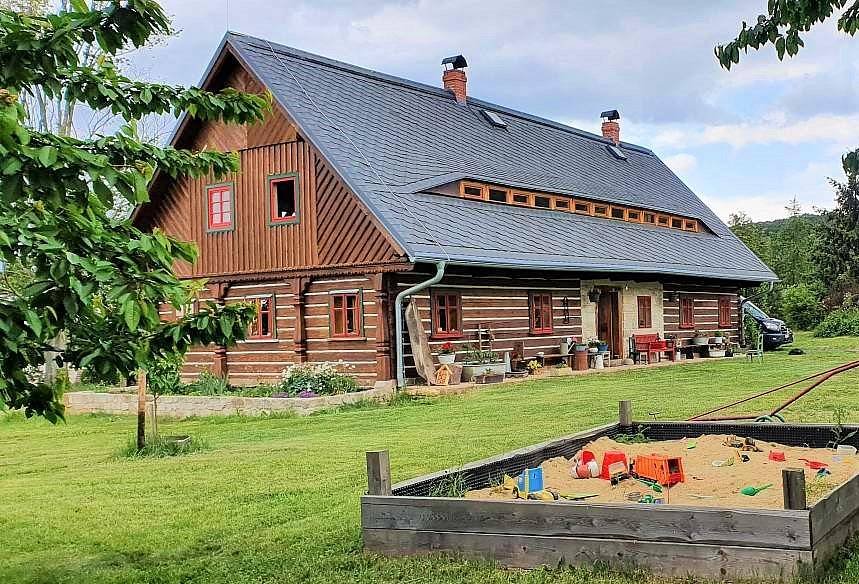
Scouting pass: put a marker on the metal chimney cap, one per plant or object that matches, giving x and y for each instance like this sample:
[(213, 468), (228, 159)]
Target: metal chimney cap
[(456, 62), (610, 114)]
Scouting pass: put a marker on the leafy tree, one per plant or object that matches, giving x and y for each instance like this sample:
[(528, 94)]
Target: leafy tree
[(837, 254), (94, 277), (782, 27)]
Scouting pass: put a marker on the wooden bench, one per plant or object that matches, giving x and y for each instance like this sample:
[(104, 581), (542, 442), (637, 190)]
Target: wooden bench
[(651, 347)]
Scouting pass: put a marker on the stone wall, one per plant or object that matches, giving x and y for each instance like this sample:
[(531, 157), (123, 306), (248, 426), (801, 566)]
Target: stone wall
[(186, 406)]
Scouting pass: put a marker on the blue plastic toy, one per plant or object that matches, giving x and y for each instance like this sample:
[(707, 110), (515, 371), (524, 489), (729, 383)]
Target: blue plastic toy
[(530, 481)]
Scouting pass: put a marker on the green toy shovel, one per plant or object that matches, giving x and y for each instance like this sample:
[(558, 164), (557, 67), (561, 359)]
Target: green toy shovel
[(752, 491)]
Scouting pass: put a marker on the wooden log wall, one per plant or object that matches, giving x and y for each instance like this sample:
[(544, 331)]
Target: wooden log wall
[(255, 361), (502, 303), (706, 303)]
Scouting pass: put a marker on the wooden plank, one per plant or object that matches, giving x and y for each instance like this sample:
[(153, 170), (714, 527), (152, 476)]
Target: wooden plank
[(584, 435), (625, 413), (831, 543), (741, 527), (838, 506), (517, 551), (378, 473), (793, 487)]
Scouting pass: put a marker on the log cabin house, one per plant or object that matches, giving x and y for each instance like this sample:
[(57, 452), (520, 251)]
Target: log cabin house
[(361, 185)]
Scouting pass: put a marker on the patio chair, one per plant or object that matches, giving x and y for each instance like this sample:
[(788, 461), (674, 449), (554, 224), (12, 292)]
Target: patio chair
[(757, 352)]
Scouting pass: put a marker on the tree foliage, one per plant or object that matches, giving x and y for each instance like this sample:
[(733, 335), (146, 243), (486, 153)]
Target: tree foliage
[(782, 27), (97, 278)]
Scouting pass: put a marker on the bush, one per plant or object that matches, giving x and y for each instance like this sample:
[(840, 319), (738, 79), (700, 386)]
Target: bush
[(160, 447), (207, 384), (317, 378), (839, 323), (802, 306), (163, 375)]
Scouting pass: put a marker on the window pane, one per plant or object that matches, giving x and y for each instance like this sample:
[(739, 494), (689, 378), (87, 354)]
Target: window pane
[(542, 202), (215, 196), (338, 302), (473, 191), (284, 198), (498, 195)]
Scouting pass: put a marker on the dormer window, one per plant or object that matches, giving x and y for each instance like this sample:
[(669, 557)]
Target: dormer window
[(219, 202), (283, 199)]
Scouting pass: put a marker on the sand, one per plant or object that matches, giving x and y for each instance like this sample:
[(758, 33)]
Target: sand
[(705, 485)]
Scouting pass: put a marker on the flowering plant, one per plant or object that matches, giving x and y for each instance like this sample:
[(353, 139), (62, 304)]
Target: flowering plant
[(446, 349), (318, 379), (534, 366)]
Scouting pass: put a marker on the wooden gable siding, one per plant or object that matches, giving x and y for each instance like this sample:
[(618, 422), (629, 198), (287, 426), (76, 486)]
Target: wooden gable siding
[(334, 229), (501, 303)]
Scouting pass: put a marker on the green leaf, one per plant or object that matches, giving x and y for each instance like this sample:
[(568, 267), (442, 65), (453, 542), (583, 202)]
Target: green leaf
[(47, 155), (79, 5)]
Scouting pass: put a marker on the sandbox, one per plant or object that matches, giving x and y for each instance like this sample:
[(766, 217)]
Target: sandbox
[(705, 528)]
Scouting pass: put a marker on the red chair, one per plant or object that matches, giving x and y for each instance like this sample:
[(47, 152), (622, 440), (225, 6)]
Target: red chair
[(653, 347)]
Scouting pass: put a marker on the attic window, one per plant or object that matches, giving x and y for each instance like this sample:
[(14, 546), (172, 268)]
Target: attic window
[(472, 191), (494, 119), (582, 207), (562, 204), (634, 216), (219, 202), (618, 213), (676, 223), (601, 210), (649, 218), (690, 225), (662, 220), (498, 195), (616, 152), (283, 199), (521, 199), (542, 202)]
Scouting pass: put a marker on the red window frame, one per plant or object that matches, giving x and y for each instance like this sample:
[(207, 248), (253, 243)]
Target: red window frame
[(273, 181), (216, 212), (264, 314), (645, 312), (725, 311), (446, 315), (542, 315), (687, 312), (345, 320)]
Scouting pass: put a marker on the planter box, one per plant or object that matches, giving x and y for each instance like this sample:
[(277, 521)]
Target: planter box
[(447, 359), (709, 542), (716, 353), (483, 379), (470, 371), (700, 341)]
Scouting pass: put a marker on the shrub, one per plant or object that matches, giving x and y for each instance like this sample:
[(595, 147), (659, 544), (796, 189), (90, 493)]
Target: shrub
[(751, 332), (207, 384), (802, 306), (160, 447), (838, 323), (163, 375), (317, 378)]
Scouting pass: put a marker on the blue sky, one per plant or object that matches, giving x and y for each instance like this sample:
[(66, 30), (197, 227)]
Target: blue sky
[(746, 140)]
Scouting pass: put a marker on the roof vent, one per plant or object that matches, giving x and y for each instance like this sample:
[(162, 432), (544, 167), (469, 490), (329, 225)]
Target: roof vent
[(494, 119)]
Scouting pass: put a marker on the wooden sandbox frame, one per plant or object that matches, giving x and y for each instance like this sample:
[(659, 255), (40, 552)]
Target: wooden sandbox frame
[(715, 542)]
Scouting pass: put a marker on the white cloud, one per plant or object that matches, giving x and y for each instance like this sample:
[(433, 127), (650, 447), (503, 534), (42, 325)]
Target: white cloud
[(681, 163)]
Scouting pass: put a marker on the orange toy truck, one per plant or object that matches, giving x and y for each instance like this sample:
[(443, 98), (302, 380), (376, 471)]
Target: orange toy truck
[(659, 469)]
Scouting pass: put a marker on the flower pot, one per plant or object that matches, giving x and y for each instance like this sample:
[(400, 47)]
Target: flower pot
[(603, 347), (699, 341), (472, 370), (717, 353), (581, 347), (446, 358), (593, 350)]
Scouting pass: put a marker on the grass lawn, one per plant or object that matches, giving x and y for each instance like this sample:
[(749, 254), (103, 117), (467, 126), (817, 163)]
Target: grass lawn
[(276, 499)]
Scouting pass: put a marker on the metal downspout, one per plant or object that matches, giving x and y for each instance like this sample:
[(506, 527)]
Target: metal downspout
[(398, 318)]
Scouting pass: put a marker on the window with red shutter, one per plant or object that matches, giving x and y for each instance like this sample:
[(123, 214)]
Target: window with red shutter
[(262, 326), (687, 312), (446, 315), (541, 313), (725, 311), (219, 203), (345, 315), (645, 319)]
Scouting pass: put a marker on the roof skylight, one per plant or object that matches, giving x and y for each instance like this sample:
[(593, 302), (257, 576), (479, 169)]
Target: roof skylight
[(494, 119), (616, 152)]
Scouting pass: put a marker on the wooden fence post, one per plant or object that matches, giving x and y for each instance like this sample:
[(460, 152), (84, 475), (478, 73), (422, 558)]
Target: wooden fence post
[(378, 473), (625, 413), (793, 481), (141, 409)]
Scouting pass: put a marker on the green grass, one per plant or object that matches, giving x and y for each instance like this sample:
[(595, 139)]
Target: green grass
[(275, 499)]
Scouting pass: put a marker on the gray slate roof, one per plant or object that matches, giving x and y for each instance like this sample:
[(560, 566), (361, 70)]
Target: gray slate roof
[(391, 139)]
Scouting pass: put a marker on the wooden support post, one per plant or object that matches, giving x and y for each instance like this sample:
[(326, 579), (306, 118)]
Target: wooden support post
[(793, 482), (141, 409), (625, 413), (378, 473), (384, 371), (299, 288)]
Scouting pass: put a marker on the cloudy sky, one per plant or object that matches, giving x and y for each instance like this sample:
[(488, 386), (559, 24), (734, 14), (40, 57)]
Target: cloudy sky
[(746, 140)]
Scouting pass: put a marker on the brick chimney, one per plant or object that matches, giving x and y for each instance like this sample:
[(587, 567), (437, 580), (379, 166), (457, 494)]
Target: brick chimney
[(453, 78), (611, 126)]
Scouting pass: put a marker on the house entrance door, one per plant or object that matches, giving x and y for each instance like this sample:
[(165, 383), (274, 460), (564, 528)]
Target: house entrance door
[(609, 326)]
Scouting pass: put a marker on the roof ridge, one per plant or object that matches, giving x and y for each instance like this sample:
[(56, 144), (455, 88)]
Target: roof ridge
[(424, 87)]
